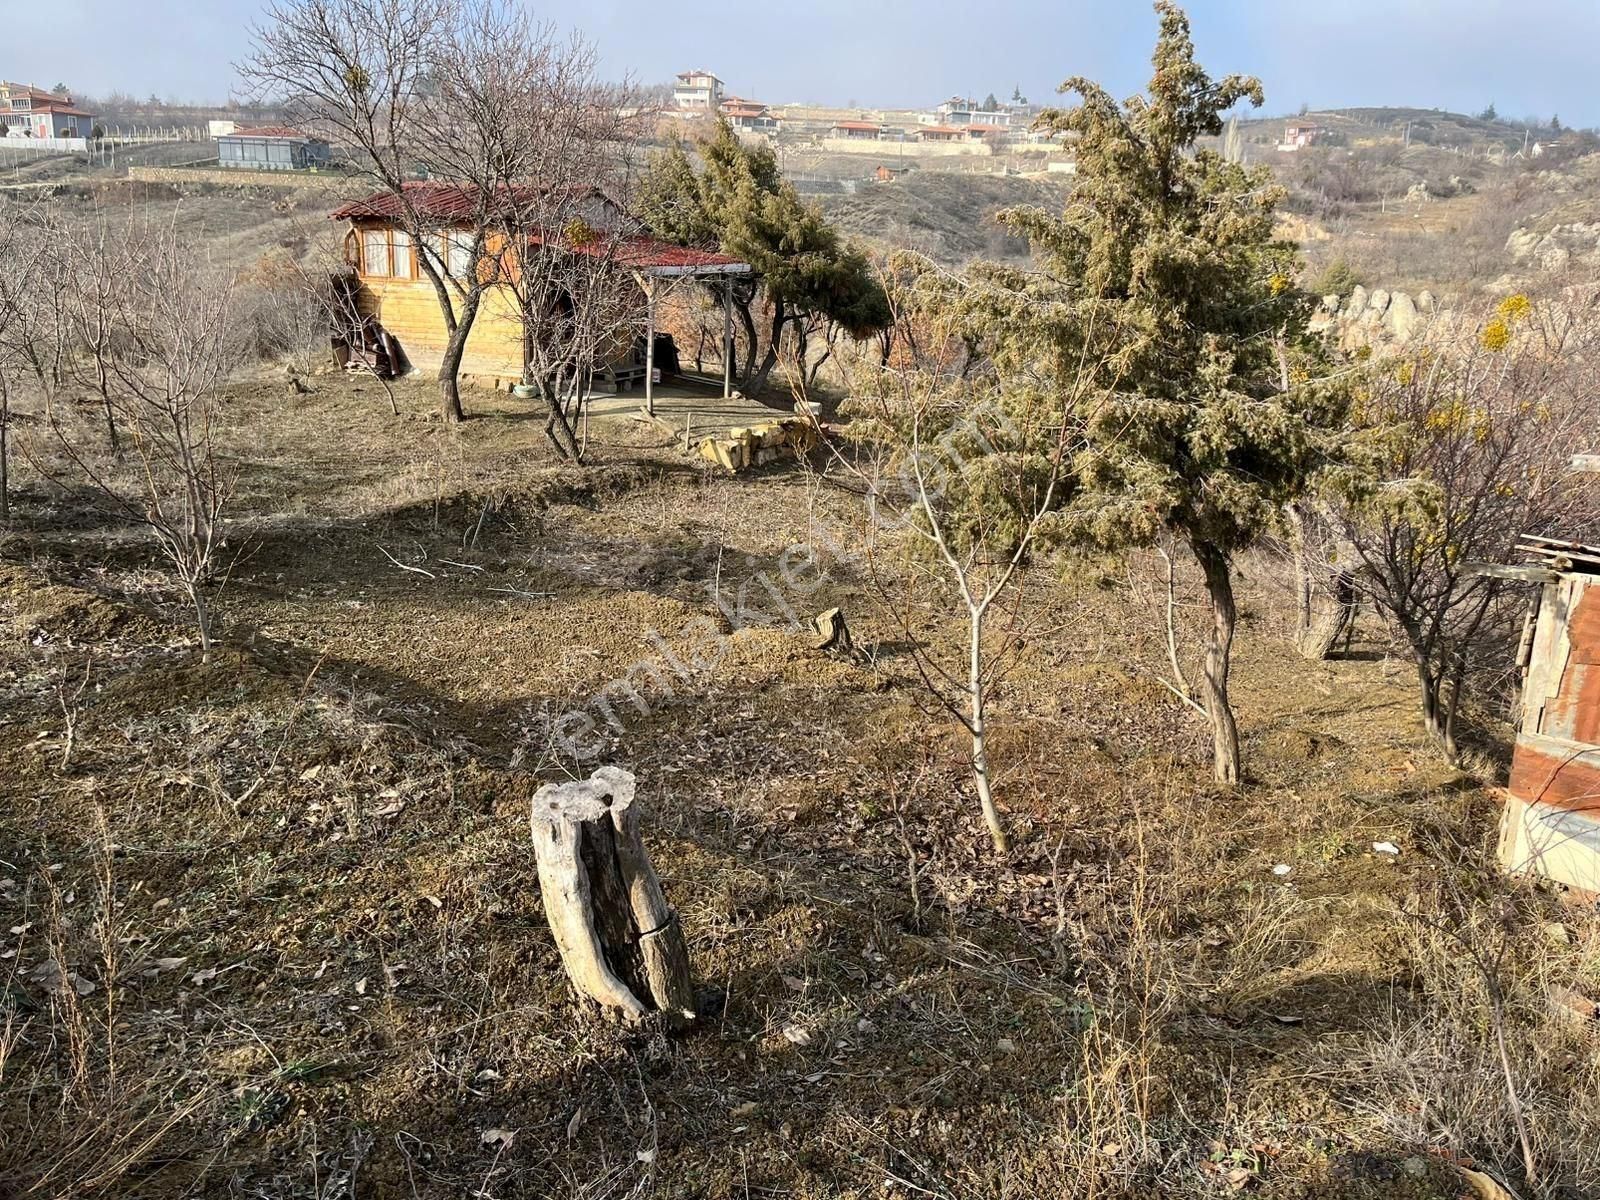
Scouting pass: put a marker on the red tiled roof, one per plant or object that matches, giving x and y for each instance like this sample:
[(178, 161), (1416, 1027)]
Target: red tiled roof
[(447, 201), (643, 253), (65, 110), (271, 131), (434, 202), (951, 130), (27, 91)]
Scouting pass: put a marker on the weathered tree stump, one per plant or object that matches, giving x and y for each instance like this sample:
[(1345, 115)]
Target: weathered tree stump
[(620, 941), (834, 632)]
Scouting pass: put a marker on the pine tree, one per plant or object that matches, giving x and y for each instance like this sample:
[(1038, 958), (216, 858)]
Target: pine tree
[(740, 201), (1165, 275)]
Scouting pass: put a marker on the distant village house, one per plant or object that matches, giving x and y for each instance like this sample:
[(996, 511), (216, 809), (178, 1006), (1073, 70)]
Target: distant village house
[(960, 112), (271, 148), (31, 112), (749, 116), (1297, 135), (860, 130), (697, 91)]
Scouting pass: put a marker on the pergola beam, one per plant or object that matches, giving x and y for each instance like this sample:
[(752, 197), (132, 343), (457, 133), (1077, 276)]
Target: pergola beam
[(646, 278), (727, 338), (650, 348)]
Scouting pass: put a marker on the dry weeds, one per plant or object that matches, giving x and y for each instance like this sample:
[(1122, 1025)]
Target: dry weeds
[(303, 955)]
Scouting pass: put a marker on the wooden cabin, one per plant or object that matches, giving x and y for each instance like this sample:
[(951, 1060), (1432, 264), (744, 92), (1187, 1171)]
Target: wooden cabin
[(399, 299)]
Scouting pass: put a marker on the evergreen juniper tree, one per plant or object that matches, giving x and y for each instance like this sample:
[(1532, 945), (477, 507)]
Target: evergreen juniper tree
[(739, 200), (1165, 276)]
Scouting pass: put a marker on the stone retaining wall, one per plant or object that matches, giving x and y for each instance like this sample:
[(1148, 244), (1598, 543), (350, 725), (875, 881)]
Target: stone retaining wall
[(237, 178)]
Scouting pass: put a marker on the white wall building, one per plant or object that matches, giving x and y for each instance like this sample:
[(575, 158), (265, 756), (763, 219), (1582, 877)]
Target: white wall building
[(960, 111), (697, 91)]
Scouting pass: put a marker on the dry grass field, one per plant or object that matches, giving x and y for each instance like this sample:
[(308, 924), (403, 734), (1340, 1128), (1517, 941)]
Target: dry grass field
[(274, 927)]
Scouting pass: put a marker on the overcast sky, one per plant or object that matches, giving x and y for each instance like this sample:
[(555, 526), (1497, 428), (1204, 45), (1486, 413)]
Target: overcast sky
[(1527, 56)]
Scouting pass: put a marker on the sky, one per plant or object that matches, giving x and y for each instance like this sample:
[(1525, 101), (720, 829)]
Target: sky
[(1528, 57)]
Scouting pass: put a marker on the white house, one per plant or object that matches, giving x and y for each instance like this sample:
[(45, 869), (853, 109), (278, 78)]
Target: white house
[(751, 116), (1297, 135), (961, 111), (697, 91), (27, 111)]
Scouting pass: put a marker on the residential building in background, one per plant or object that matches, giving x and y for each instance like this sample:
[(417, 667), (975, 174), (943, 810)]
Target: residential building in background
[(271, 148), (962, 111), (749, 116), (697, 91), (863, 130), (1297, 135), (32, 112)]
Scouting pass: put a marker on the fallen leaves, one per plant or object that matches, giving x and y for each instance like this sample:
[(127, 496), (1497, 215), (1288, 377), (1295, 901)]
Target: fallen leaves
[(501, 1139)]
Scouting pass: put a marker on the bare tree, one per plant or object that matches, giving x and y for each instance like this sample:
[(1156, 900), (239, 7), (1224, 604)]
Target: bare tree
[(363, 74), (38, 280), (524, 118), (170, 344), (16, 270), (970, 468), (1468, 447)]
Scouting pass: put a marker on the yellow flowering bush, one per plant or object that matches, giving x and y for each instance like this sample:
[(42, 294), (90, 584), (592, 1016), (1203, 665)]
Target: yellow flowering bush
[(1515, 308), (1496, 335)]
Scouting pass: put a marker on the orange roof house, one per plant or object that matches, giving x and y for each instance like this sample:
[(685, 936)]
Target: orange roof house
[(857, 129), (394, 292), (27, 111)]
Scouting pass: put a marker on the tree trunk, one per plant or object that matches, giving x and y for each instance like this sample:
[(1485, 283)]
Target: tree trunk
[(111, 416), (1322, 629), (557, 427), (450, 364), (1219, 652), (749, 322), (620, 942), (459, 325), (1431, 684), (1302, 572), (202, 616), (979, 731), (770, 359), (5, 434)]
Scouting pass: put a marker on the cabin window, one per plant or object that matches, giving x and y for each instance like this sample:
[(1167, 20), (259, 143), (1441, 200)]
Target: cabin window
[(458, 255), (405, 266), (375, 252)]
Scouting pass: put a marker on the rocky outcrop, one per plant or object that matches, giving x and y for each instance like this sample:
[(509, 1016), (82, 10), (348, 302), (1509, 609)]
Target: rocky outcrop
[(1371, 318), (1576, 243)]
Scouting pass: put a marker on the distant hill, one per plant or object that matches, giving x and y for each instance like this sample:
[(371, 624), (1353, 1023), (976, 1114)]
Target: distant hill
[(946, 215), (1455, 132)]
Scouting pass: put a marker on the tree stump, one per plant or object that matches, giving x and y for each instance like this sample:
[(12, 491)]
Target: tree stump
[(834, 632), (620, 941)]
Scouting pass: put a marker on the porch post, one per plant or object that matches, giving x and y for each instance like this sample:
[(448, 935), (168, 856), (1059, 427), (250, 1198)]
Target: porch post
[(727, 336), (650, 347)]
